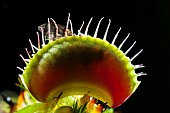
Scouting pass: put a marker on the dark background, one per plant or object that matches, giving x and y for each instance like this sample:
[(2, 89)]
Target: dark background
[(147, 21)]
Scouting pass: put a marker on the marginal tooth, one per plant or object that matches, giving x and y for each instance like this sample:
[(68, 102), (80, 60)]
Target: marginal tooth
[(130, 48), (114, 39), (28, 53), (38, 36), (42, 36), (141, 74), (68, 19), (56, 27), (32, 46), (137, 54), (27, 60), (120, 46), (79, 31), (97, 28), (106, 32), (36, 48), (32, 55), (20, 69), (86, 31), (71, 26), (23, 58), (139, 66), (49, 28), (23, 81)]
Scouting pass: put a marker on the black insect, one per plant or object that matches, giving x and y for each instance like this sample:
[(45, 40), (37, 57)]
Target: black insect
[(53, 31), (104, 105)]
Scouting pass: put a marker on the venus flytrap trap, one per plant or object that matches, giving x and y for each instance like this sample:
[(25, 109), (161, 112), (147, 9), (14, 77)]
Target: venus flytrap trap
[(77, 73)]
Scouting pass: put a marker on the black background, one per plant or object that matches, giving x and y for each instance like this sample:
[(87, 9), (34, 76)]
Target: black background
[(147, 21)]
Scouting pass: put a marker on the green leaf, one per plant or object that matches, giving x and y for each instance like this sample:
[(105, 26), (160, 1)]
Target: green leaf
[(109, 110), (34, 108), (79, 109)]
